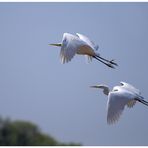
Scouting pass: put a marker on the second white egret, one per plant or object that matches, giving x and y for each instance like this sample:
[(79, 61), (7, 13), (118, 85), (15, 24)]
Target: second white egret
[(80, 44), (118, 98)]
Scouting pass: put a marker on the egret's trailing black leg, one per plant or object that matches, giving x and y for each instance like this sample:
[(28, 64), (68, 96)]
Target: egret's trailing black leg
[(142, 101), (111, 61), (145, 101), (108, 64)]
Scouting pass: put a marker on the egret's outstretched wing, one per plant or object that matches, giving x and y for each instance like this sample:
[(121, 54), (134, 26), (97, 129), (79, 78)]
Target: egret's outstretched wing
[(87, 40), (115, 106), (71, 44), (130, 88)]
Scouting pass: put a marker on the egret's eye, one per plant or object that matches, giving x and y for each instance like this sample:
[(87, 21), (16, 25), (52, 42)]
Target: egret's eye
[(115, 89)]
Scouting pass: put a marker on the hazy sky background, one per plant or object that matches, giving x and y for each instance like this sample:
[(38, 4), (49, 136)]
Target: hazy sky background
[(35, 86)]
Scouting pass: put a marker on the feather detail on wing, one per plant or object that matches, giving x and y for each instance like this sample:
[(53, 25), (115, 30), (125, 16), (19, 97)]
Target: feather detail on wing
[(66, 55), (130, 87), (88, 41), (115, 107), (70, 46)]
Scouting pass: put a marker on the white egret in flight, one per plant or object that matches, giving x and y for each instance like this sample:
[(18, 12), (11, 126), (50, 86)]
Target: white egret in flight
[(118, 98), (80, 44)]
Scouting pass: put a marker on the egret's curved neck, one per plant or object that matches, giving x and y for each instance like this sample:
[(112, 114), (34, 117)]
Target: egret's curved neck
[(105, 89)]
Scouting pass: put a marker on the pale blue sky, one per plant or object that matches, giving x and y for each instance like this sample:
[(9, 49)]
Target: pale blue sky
[(35, 86)]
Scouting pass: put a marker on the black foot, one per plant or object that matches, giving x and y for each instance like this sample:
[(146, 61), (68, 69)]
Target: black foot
[(112, 62)]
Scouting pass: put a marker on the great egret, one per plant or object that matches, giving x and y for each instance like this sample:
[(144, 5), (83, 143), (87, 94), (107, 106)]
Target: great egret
[(118, 98), (80, 44)]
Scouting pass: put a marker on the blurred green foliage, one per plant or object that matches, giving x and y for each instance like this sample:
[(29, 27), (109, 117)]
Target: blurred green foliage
[(24, 133)]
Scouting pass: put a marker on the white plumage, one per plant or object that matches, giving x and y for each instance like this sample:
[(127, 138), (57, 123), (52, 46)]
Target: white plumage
[(82, 45), (118, 98)]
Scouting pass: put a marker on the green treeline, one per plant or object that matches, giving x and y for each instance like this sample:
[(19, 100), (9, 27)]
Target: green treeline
[(24, 133)]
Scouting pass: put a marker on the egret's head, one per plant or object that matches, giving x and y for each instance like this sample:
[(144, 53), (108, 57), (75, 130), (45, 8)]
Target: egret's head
[(102, 86), (65, 39), (64, 42)]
